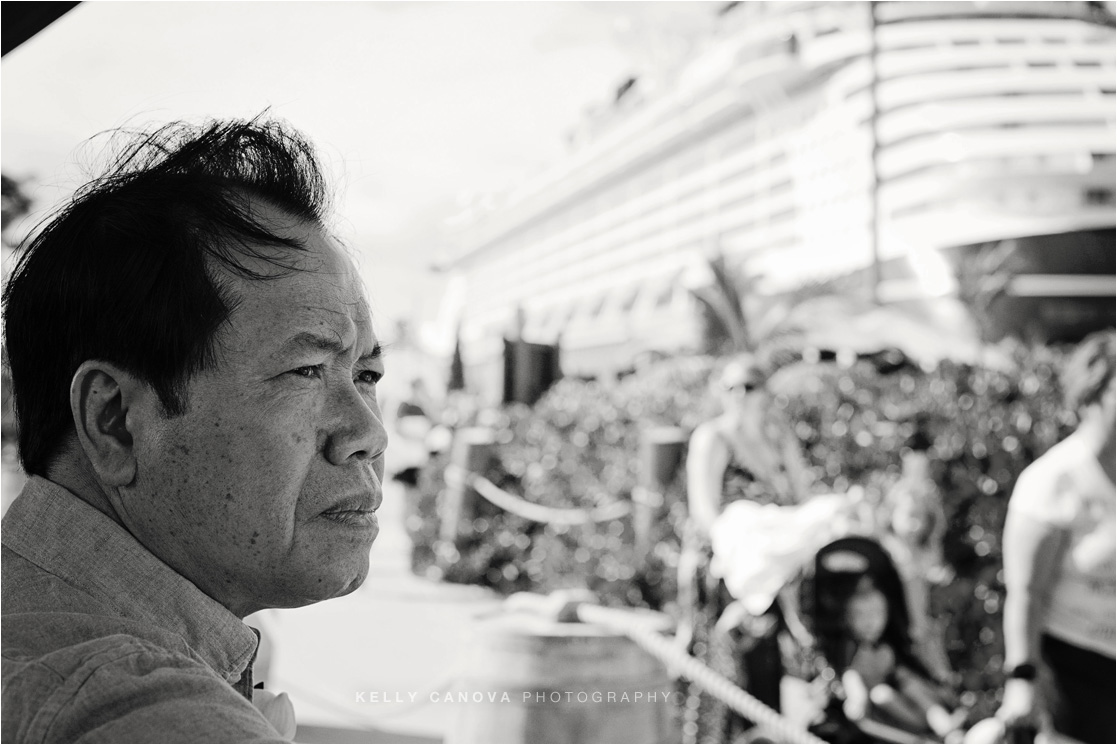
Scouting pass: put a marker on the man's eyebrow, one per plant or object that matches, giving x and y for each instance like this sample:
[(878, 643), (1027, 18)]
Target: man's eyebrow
[(376, 353), (310, 340), (321, 342)]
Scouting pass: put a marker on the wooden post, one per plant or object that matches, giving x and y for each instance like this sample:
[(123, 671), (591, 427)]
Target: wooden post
[(473, 451), (661, 453)]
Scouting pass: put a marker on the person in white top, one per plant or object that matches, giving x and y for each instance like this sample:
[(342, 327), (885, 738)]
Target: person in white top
[(1060, 561)]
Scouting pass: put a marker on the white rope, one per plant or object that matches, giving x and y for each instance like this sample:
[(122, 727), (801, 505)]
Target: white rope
[(534, 512), (679, 663)]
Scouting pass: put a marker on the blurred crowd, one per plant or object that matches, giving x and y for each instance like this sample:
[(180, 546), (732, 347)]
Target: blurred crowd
[(770, 557)]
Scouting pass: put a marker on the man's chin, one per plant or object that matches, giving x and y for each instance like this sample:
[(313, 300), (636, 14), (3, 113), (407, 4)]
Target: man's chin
[(348, 583), (353, 585), (327, 587)]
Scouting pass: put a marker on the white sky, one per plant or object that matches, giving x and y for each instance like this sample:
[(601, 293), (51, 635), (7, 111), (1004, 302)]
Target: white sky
[(413, 104)]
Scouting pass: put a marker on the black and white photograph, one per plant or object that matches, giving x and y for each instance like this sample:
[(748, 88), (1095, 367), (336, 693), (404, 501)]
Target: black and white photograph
[(559, 372)]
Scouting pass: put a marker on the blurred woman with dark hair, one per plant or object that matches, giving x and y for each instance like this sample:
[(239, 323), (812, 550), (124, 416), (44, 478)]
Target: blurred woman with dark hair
[(1060, 562)]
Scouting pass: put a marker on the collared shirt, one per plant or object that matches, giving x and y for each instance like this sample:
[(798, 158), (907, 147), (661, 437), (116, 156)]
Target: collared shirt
[(103, 642)]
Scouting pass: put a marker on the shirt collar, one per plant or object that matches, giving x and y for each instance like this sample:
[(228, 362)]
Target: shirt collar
[(64, 535)]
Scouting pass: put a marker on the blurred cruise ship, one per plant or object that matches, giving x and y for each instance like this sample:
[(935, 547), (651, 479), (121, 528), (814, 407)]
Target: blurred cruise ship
[(900, 145)]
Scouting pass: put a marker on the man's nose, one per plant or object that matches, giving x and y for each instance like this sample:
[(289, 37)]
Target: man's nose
[(358, 432)]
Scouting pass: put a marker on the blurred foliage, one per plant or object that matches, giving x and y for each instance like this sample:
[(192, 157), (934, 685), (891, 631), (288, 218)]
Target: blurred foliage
[(579, 447), (986, 426), (736, 317), (14, 201)]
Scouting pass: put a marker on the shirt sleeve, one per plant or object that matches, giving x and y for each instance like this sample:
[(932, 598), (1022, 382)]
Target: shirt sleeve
[(141, 693), (1043, 494)]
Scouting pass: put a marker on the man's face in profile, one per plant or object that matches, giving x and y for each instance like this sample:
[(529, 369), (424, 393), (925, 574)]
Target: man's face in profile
[(263, 492)]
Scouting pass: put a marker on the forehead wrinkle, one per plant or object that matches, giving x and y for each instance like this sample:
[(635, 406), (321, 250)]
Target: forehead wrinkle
[(337, 333), (312, 340)]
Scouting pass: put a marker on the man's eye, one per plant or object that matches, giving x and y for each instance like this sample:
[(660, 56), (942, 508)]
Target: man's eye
[(310, 371), (369, 376)]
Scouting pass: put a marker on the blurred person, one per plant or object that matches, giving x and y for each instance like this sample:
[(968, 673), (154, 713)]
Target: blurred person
[(410, 449), (194, 368), (914, 537), (749, 452), (881, 674), (1059, 566)]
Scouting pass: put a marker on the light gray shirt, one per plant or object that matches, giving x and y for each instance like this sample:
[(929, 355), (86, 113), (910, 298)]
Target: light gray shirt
[(103, 642)]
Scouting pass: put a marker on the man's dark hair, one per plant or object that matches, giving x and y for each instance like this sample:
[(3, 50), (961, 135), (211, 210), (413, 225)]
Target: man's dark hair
[(125, 272), (1089, 370)]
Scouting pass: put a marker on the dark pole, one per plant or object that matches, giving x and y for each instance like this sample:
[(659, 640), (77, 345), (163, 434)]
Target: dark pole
[(472, 453), (661, 454), (874, 116)]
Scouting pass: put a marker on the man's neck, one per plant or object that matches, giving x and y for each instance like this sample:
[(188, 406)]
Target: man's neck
[(72, 471)]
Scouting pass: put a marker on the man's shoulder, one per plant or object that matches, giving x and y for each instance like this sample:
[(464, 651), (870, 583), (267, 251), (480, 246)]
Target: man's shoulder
[(43, 612), (62, 646), (113, 677), (29, 636), (28, 588), (46, 650)]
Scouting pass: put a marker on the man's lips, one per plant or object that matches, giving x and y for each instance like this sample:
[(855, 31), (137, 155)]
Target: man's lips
[(368, 501), (360, 519), (358, 510)]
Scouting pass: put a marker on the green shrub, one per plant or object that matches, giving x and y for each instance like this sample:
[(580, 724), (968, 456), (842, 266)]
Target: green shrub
[(987, 425), (579, 448)]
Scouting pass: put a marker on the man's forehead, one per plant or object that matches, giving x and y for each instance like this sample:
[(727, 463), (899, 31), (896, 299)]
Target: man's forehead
[(324, 300), (289, 329), (322, 294), (347, 322)]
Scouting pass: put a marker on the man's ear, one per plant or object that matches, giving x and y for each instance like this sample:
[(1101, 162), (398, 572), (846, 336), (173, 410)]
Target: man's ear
[(102, 395)]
